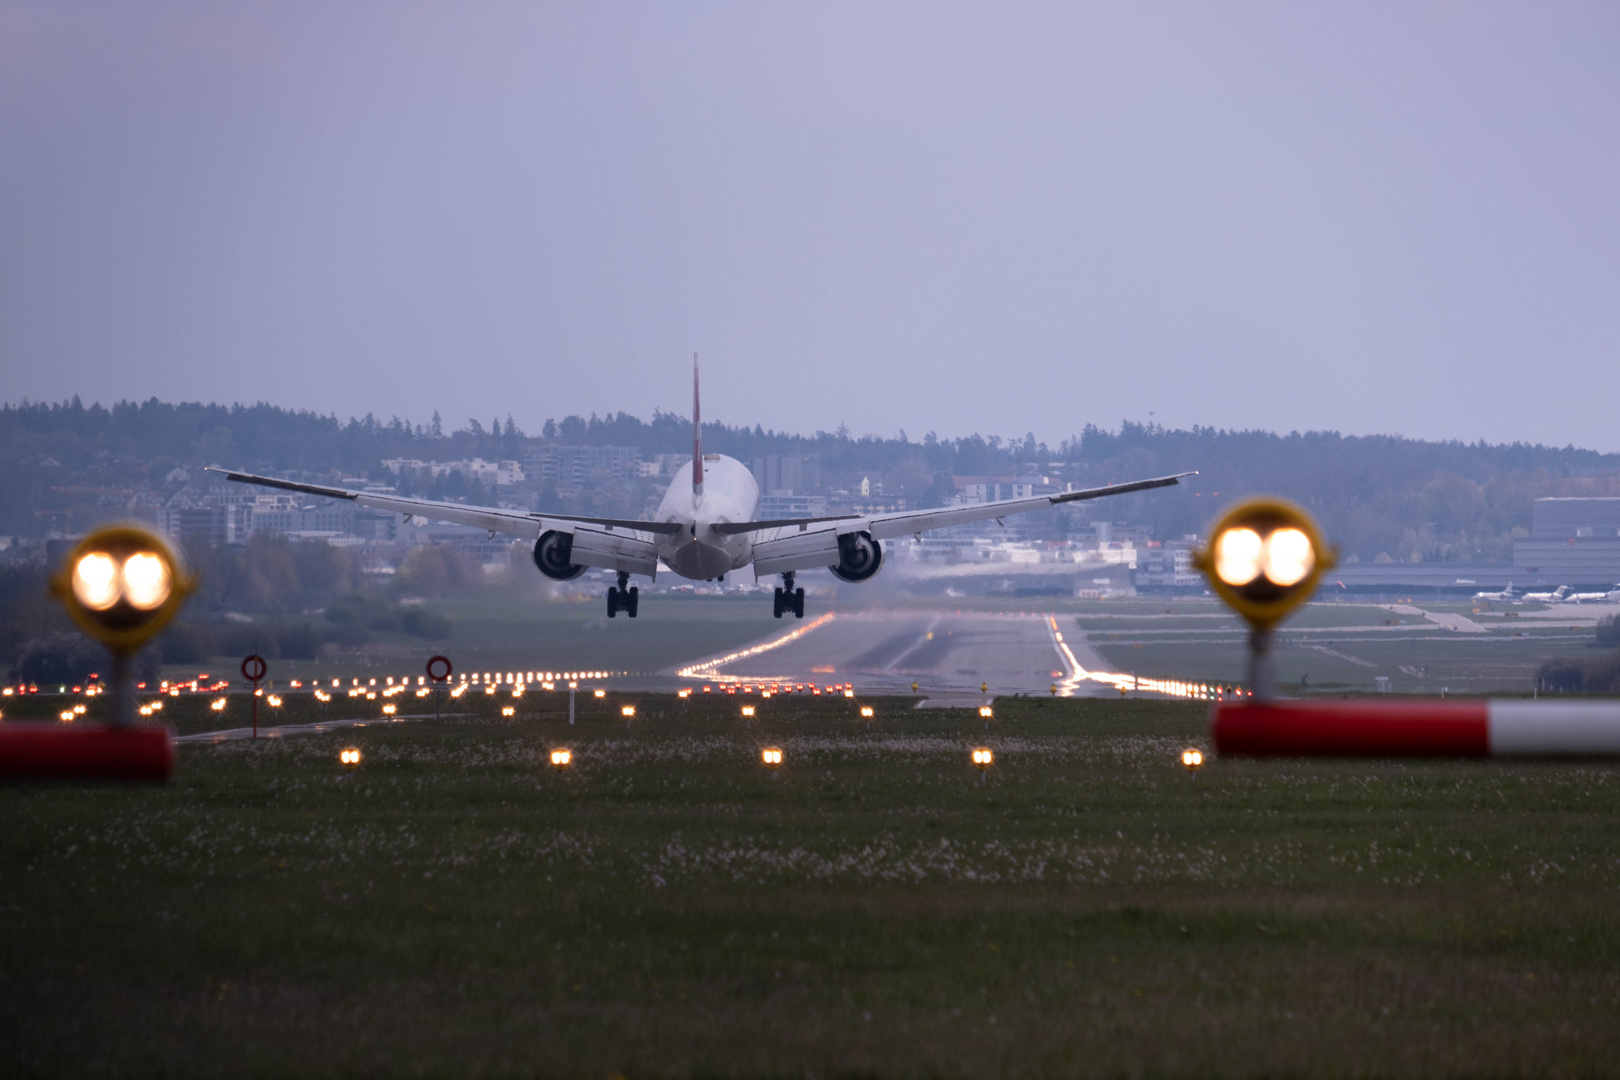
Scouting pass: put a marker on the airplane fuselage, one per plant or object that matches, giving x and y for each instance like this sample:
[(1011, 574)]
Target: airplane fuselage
[(730, 494)]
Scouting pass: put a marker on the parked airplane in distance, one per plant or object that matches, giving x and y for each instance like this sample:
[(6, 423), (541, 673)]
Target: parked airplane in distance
[(1505, 595), (1557, 596), (706, 530), (1610, 596)]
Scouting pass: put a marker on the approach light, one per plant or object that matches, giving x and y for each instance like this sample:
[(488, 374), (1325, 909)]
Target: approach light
[(68, 715), (1265, 558), (508, 711), (218, 705), (983, 758), (1192, 759), (389, 710), (986, 712), (122, 585), (601, 693), (627, 711), (772, 757), (866, 712), (748, 710), (349, 757), (561, 758)]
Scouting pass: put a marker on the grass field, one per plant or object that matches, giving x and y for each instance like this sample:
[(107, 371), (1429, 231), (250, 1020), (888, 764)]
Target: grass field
[(667, 907)]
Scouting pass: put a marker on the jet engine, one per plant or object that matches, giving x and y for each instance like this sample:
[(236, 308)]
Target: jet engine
[(552, 554), (859, 557)]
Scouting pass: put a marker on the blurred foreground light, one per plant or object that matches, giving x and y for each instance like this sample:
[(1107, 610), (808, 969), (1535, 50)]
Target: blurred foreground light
[(983, 758), (122, 585), (561, 758), (349, 757), (772, 757), (1265, 558), (1192, 759)]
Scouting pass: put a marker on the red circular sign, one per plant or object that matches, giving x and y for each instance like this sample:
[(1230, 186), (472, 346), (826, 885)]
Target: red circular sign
[(253, 668), (436, 663)]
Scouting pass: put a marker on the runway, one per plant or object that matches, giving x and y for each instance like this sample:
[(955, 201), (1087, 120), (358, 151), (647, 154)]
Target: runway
[(943, 652)]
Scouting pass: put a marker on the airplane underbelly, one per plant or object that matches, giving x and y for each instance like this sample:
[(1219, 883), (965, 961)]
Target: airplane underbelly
[(699, 561)]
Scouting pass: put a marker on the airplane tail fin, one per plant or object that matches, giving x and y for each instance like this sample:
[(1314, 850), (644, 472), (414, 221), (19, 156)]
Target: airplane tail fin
[(697, 434)]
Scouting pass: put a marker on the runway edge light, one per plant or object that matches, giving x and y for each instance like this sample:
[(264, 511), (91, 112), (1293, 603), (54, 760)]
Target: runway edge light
[(1265, 558)]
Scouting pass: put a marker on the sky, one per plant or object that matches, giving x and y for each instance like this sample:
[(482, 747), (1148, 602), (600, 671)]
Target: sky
[(991, 218)]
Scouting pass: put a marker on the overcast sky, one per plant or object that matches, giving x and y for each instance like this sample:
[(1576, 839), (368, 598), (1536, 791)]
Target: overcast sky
[(997, 217)]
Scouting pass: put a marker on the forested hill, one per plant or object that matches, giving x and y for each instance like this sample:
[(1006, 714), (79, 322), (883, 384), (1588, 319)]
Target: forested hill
[(1375, 494)]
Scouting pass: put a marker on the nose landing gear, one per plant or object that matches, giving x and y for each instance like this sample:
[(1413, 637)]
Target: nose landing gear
[(623, 598), (788, 598)]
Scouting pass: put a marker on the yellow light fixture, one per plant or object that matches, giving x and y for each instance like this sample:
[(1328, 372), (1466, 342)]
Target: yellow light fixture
[(122, 585), (1265, 558)]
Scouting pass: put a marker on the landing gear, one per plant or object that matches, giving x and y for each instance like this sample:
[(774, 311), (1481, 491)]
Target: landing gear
[(623, 598), (788, 598)]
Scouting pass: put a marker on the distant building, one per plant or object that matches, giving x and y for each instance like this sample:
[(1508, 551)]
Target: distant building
[(574, 466), (1574, 541), (781, 474), (1167, 566), (497, 473), (785, 507)]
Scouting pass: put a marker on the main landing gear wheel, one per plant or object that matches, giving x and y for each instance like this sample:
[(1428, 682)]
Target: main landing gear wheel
[(622, 598), (787, 598)]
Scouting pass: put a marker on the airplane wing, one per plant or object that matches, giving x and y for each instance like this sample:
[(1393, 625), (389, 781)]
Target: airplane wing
[(883, 526), (495, 519)]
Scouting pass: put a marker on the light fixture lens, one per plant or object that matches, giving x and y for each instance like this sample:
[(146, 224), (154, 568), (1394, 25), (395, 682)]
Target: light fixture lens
[(1237, 556), (1288, 556), (95, 581), (146, 581)]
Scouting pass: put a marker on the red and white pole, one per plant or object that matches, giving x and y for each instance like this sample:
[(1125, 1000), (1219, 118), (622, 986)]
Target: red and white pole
[(1418, 729)]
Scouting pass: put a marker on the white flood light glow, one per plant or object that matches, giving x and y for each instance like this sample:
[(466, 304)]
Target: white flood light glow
[(95, 581), (1237, 556), (1288, 556)]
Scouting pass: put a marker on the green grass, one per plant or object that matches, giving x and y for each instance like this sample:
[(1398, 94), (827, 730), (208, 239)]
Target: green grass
[(669, 908)]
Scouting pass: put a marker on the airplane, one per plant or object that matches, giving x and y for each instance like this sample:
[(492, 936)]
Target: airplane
[(1594, 597), (1557, 596), (705, 530), (1505, 594)]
